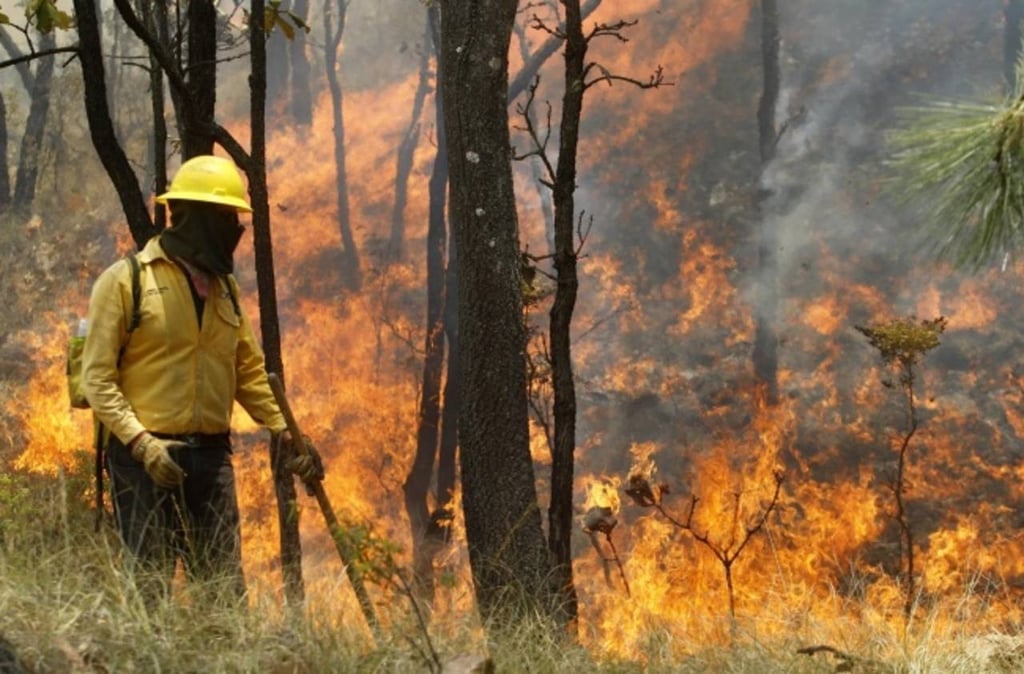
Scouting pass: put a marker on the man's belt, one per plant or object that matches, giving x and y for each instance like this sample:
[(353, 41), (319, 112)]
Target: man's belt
[(197, 439)]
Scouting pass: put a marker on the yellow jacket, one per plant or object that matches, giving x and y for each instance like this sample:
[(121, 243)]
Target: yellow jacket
[(174, 377)]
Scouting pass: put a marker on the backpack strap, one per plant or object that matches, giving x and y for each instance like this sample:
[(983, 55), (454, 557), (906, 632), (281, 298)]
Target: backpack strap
[(101, 432), (136, 318)]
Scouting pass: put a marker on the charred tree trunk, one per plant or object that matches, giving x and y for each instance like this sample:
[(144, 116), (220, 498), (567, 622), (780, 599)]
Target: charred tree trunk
[(35, 126), (302, 91), (284, 481), (446, 473), (202, 79), (507, 551), (158, 144), (351, 274), (1013, 14), (427, 535), (406, 149), (560, 512), (766, 337), (101, 129)]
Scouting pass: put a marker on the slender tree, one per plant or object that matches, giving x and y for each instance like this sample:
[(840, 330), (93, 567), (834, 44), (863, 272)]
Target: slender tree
[(37, 82), (766, 337), (561, 178), (351, 275), (284, 483), (406, 151), (101, 128), (35, 125), (902, 342), (417, 484)]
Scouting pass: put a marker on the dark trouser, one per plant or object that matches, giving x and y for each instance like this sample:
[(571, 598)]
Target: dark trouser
[(197, 522)]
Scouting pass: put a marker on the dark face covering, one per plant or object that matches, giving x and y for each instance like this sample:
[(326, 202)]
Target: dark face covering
[(204, 235)]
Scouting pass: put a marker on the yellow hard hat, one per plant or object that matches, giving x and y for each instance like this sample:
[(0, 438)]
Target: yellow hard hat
[(208, 178)]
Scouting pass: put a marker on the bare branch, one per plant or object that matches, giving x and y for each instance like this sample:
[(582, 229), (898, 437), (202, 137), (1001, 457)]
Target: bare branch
[(540, 144), (38, 54), (532, 65), (611, 30), (539, 24), (657, 79), (582, 232)]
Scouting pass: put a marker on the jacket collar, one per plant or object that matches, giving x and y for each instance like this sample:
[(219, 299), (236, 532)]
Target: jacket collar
[(153, 251)]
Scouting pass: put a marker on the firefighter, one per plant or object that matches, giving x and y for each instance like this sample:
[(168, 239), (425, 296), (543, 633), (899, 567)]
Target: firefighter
[(165, 392)]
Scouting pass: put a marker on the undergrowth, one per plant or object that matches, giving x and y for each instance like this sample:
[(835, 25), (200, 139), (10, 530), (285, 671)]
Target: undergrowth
[(66, 606)]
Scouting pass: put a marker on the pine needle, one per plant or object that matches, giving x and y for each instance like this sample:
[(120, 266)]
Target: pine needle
[(961, 166)]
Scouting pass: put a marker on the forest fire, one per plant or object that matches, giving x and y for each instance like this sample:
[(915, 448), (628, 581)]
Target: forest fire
[(742, 519)]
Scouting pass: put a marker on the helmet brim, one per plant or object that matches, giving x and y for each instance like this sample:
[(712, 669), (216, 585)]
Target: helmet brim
[(224, 200)]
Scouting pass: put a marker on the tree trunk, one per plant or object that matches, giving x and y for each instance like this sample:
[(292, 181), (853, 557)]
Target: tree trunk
[(156, 20), (284, 481), (406, 150), (507, 551), (101, 129), (351, 275), (158, 143), (35, 126), (301, 89), (766, 337), (426, 536), (453, 378), (560, 512), (202, 78)]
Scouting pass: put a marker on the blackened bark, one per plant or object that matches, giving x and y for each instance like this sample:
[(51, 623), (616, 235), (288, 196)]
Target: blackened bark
[(101, 129), (284, 481), (766, 337), (1013, 14), (453, 378), (201, 74), (156, 20), (301, 89), (426, 536), (351, 275), (35, 126), (158, 140), (507, 550), (560, 512), (406, 149)]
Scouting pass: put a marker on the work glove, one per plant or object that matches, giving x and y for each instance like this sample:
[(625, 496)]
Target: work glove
[(307, 464), (154, 454)]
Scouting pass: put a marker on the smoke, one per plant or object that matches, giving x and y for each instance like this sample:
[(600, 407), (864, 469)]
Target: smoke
[(835, 109)]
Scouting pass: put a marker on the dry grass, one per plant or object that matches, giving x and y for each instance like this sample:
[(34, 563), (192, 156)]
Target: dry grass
[(65, 606)]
